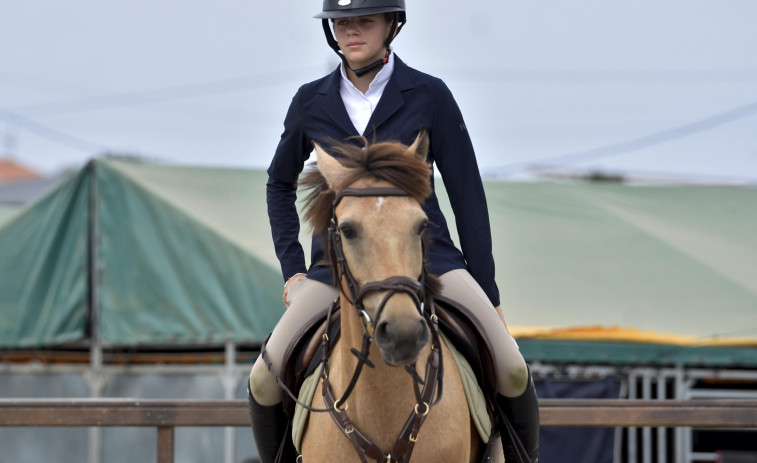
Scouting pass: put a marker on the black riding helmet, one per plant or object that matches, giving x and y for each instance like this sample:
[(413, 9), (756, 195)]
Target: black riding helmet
[(333, 9)]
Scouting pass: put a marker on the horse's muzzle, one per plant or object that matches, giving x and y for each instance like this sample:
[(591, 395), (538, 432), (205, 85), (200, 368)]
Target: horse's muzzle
[(400, 341)]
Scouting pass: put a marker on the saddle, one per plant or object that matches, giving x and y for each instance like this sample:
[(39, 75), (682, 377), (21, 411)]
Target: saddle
[(303, 355)]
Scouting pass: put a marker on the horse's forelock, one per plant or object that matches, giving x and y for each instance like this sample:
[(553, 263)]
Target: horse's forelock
[(390, 162), (387, 161)]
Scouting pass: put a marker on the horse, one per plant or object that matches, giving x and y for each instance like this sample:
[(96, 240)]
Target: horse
[(366, 203)]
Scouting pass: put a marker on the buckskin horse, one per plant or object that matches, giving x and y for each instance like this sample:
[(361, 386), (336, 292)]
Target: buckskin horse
[(405, 397)]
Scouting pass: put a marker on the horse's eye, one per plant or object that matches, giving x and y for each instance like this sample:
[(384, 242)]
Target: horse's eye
[(348, 232), (422, 228)]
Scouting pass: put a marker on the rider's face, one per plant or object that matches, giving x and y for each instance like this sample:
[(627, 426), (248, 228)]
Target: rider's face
[(362, 38)]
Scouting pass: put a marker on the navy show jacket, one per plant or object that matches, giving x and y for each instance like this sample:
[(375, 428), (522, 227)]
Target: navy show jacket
[(411, 100)]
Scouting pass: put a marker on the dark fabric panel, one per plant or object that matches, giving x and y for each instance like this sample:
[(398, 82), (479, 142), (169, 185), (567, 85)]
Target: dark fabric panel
[(577, 445)]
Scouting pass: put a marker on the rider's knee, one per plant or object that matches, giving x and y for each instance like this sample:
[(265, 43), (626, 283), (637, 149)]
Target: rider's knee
[(263, 385), (516, 380)]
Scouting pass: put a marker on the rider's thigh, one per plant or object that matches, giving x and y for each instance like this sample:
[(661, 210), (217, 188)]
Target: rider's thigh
[(310, 299), (512, 373)]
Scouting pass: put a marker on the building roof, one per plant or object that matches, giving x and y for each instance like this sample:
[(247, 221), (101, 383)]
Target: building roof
[(12, 171)]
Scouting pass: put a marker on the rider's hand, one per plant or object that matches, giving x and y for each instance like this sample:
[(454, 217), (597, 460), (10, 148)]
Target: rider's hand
[(291, 280)]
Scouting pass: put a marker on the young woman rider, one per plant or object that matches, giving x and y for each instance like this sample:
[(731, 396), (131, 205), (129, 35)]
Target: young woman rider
[(374, 93)]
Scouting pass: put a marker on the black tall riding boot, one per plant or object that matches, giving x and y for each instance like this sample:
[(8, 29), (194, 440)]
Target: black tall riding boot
[(519, 425), (270, 428)]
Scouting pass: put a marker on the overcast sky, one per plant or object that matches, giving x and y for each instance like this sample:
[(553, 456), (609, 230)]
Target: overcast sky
[(648, 87)]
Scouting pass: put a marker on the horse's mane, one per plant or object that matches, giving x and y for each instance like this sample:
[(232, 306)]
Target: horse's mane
[(387, 161)]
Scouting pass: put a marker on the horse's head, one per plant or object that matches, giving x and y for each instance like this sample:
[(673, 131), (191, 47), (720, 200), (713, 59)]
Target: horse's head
[(367, 204)]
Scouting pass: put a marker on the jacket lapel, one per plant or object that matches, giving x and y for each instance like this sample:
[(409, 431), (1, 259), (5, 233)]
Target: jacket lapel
[(333, 105), (391, 100)]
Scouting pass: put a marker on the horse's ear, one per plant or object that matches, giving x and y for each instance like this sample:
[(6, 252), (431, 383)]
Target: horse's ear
[(331, 169), (421, 143)]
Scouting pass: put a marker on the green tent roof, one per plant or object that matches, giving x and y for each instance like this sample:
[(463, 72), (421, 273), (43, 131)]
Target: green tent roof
[(6, 212), (652, 274), (673, 259), (588, 272), (175, 259)]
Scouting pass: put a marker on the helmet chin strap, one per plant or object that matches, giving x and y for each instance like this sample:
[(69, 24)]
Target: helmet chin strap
[(376, 64), (371, 67)]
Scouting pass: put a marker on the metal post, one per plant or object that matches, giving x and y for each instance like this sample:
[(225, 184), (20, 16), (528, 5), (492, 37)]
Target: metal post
[(96, 382), (646, 431), (680, 433), (632, 394), (662, 448), (230, 383), (95, 378), (688, 384), (617, 452)]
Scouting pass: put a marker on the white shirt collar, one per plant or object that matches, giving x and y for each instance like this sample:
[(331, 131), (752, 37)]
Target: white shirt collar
[(360, 106)]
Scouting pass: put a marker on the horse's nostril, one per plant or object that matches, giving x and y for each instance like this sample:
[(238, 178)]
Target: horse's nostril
[(382, 332)]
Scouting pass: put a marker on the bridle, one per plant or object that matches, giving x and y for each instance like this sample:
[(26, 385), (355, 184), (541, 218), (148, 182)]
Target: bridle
[(432, 382), (413, 288)]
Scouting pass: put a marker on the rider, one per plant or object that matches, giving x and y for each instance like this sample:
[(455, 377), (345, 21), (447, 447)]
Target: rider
[(374, 93)]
